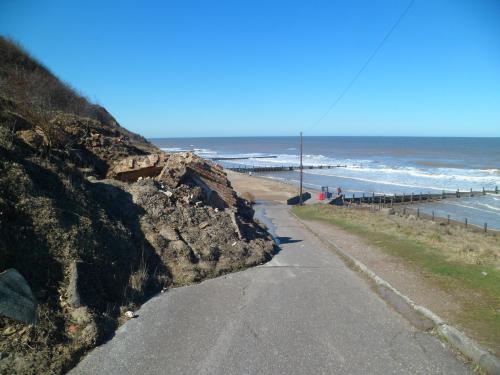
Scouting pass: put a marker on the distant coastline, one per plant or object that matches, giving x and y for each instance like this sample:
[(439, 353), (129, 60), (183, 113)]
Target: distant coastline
[(375, 165)]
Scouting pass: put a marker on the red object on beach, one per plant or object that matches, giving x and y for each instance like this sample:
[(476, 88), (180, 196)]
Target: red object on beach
[(321, 196)]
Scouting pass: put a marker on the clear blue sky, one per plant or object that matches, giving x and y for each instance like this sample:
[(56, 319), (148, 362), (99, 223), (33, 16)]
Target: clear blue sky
[(214, 68)]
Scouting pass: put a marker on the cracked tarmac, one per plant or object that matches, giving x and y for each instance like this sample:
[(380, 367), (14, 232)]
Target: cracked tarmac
[(304, 312)]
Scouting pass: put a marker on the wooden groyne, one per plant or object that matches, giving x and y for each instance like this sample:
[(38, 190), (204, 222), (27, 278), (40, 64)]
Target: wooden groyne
[(414, 198), (279, 168), (221, 158)]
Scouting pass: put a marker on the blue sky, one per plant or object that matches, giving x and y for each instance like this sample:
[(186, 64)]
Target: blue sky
[(234, 68)]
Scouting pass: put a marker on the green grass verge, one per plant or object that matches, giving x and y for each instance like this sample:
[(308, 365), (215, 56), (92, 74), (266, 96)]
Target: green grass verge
[(478, 294)]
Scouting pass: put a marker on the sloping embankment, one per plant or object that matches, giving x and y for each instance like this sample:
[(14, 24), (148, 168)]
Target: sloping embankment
[(96, 219)]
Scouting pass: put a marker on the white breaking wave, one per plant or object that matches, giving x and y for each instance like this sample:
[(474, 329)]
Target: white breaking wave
[(468, 207), (489, 206), (383, 182)]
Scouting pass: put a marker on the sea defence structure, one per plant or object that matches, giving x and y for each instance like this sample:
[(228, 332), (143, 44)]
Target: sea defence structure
[(414, 198), (278, 168)]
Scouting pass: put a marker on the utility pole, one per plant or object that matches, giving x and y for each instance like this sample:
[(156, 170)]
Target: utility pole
[(301, 170)]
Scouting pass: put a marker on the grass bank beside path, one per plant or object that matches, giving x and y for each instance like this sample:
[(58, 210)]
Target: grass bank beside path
[(464, 263)]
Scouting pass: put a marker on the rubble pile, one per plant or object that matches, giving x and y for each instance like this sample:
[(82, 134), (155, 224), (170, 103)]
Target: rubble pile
[(94, 220), (192, 217)]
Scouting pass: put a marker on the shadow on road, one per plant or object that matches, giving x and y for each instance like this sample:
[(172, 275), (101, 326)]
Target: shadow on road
[(284, 240)]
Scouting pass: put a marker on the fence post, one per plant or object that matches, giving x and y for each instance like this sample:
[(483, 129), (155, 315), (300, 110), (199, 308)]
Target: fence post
[(484, 193), (418, 212), (458, 193), (432, 215), (448, 221), (466, 222), (442, 195), (411, 198), (485, 227), (496, 189), (471, 195)]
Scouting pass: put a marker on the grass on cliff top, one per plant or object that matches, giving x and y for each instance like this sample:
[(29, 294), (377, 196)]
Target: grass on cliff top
[(452, 258)]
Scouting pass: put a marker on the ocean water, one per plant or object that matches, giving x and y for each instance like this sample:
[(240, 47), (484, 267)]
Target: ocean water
[(380, 165)]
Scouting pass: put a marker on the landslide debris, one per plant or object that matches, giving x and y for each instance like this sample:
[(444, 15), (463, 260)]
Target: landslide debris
[(96, 219)]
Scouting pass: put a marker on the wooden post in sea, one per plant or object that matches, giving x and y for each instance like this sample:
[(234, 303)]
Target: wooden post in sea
[(471, 195), (418, 212), (411, 198), (484, 192), (432, 215), (301, 202), (485, 227), (448, 221), (466, 222)]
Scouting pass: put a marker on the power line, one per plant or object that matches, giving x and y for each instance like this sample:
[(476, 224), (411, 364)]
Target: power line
[(363, 67)]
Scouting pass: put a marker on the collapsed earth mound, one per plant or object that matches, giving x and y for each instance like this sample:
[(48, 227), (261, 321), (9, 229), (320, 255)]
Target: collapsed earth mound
[(96, 219)]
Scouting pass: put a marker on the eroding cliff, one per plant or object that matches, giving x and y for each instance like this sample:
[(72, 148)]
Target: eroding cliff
[(96, 219)]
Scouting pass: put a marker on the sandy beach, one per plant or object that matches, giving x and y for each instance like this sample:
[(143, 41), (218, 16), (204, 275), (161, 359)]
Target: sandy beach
[(263, 188)]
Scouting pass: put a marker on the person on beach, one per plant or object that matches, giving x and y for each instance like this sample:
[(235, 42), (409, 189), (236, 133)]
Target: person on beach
[(339, 190)]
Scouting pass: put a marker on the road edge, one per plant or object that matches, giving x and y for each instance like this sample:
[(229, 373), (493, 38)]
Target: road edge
[(467, 346)]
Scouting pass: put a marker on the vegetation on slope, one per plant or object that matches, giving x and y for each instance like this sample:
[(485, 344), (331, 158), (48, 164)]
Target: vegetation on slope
[(92, 248)]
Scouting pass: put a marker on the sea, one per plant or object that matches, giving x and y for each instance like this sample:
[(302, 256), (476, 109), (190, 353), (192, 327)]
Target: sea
[(367, 165)]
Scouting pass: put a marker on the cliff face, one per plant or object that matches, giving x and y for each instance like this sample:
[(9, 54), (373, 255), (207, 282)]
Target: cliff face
[(96, 219)]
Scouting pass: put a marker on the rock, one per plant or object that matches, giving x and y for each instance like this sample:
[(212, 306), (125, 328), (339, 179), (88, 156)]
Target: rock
[(232, 215), (17, 301), (129, 314), (168, 193), (9, 331), (203, 225), (189, 168), (137, 167), (34, 138), (296, 200), (73, 293)]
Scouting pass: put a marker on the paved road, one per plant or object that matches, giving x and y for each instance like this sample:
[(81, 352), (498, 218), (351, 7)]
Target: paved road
[(304, 312)]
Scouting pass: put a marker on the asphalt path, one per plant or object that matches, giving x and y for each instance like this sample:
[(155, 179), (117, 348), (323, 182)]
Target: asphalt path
[(304, 312)]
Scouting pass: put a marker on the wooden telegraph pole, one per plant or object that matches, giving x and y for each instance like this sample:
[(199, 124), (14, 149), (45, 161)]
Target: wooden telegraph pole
[(301, 168)]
